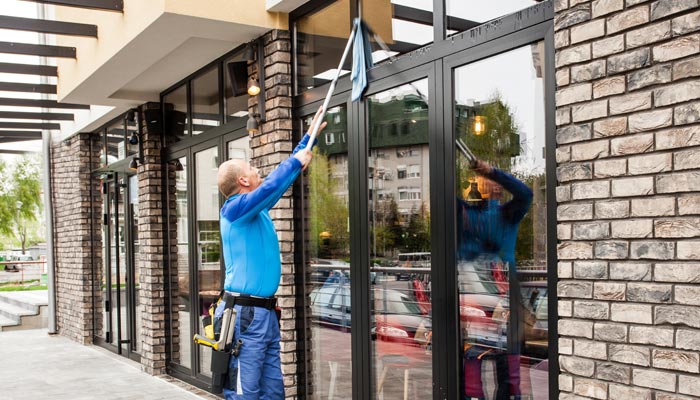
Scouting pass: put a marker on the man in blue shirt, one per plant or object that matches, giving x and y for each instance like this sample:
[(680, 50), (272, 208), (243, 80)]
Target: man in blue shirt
[(253, 269)]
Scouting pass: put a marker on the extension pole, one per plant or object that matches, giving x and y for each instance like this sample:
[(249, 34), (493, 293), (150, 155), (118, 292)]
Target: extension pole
[(314, 129)]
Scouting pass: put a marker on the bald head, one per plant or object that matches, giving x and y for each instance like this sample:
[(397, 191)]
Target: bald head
[(227, 177)]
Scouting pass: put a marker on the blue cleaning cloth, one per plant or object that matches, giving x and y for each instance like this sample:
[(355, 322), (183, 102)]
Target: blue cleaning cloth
[(361, 60)]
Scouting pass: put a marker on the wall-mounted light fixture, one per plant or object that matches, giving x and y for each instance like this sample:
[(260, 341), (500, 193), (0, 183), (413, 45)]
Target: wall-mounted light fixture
[(134, 164), (256, 88), (178, 166), (253, 87), (131, 117), (252, 125)]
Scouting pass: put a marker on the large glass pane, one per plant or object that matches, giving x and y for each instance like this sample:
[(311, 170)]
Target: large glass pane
[(175, 110), (399, 207), (329, 359), (205, 102), (208, 240), (320, 39), (120, 285), (404, 25), (107, 240), (463, 15), (138, 308), (181, 343), (116, 146), (501, 228), (236, 77)]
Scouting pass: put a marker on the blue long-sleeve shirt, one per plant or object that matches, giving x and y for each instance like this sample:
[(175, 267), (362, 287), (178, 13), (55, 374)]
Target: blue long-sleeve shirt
[(250, 244), (492, 228)]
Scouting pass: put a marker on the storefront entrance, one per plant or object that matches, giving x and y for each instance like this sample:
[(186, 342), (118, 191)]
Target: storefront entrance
[(118, 289), (424, 278)]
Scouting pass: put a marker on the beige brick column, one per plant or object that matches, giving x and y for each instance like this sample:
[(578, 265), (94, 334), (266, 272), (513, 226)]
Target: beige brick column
[(77, 227), (272, 145), (628, 155)]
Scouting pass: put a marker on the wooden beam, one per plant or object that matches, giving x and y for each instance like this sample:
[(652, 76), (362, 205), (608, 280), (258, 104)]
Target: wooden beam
[(40, 116), (6, 101), (29, 69), (30, 125), (47, 26), (37, 50), (28, 135), (104, 5), (27, 87)]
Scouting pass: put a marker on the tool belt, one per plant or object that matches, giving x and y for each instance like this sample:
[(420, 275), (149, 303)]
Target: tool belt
[(265, 302)]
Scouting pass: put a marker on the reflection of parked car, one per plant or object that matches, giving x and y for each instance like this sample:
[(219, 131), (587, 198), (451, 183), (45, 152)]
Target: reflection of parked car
[(322, 269), (15, 267), (398, 317), (407, 261), (485, 311)]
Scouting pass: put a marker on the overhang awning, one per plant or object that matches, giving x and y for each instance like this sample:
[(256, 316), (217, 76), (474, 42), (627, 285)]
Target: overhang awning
[(28, 108)]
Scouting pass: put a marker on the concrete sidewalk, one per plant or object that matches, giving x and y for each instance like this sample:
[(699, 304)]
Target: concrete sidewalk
[(35, 365)]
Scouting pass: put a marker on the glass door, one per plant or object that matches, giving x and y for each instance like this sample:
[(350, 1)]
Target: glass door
[(498, 113), (119, 278), (398, 173)]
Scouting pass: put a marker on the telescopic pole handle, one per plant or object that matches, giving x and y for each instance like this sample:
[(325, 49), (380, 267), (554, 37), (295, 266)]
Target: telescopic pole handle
[(314, 129)]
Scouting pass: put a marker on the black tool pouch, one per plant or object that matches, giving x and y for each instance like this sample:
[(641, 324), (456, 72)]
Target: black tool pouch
[(219, 369)]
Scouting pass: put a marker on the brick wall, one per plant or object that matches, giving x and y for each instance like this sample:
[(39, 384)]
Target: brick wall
[(150, 259), (76, 224), (271, 145), (628, 118)]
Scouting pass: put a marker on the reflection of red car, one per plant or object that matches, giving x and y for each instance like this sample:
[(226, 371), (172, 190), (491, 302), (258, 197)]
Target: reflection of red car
[(399, 318)]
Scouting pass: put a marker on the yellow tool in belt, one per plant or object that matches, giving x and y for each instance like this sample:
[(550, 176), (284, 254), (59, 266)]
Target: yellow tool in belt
[(225, 337)]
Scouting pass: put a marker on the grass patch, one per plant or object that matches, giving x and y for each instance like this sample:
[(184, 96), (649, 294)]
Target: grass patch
[(20, 288)]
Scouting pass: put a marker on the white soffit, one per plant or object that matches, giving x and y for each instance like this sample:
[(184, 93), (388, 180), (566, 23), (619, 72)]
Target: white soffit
[(285, 6), (168, 50)]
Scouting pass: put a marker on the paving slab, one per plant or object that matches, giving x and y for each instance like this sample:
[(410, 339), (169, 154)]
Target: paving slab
[(36, 365)]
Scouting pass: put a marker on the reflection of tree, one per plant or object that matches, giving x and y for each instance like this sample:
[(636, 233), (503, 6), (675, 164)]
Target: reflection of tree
[(387, 232), (418, 230), (497, 143), (328, 213)]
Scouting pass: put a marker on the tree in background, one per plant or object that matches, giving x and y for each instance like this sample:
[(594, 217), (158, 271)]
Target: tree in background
[(20, 201)]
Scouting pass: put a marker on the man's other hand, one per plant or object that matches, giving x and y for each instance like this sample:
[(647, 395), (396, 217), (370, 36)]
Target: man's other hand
[(304, 156)]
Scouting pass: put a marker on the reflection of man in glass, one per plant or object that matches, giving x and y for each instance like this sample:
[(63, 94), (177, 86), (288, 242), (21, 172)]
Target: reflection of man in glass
[(487, 232), (253, 269)]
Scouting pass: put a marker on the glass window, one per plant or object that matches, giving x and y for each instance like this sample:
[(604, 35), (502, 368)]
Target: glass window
[(501, 227), (239, 149), (403, 25), (209, 276), (116, 146), (205, 102), (175, 106), (181, 335), (320, 40), (463, 15), (329, 358), (399, 223), (235, 87)]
